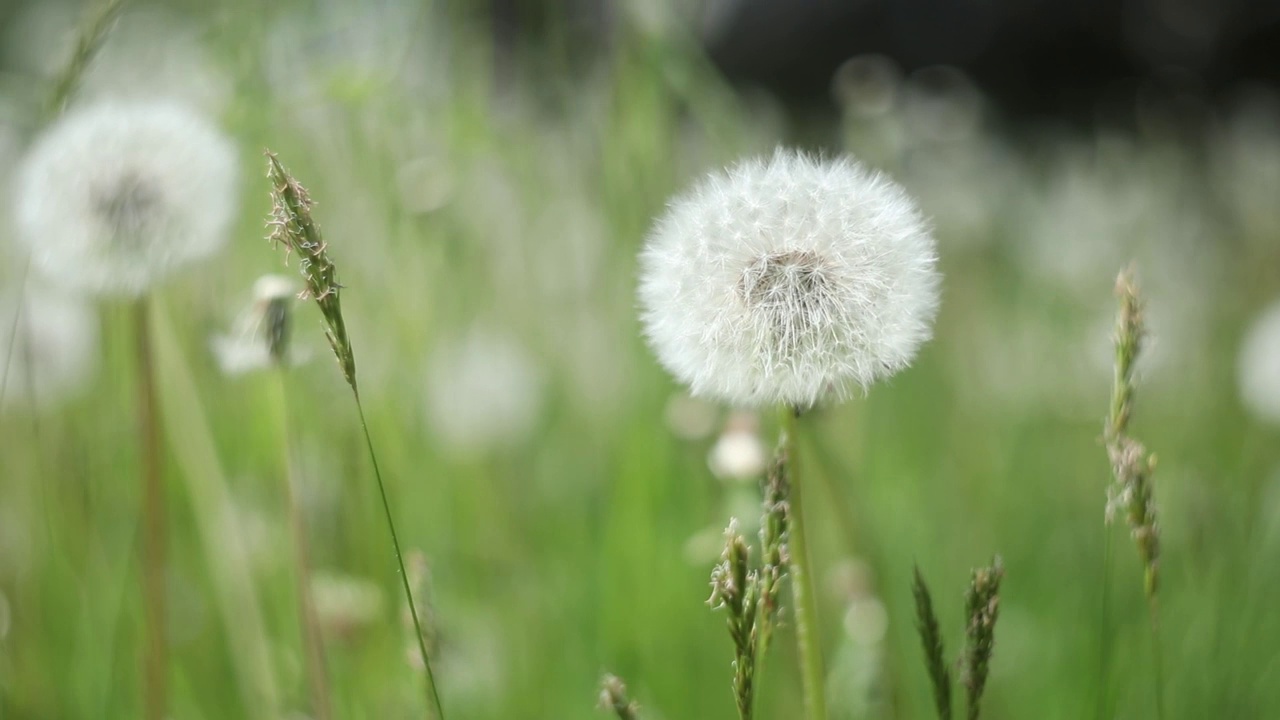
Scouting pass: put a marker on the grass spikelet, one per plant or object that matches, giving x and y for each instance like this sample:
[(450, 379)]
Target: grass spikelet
[(982, 608), (931, 641), (614, 699), (1131, 492), (291, 225), (1131, 465), (735, 589), (773, 542), (750, 597)]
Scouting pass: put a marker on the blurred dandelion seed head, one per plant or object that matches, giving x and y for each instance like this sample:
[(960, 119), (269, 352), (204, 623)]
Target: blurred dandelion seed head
[(260, 335), (115, 197), (345, 605), (1259, 366), (54, 348), (783, 279), (739, 454)]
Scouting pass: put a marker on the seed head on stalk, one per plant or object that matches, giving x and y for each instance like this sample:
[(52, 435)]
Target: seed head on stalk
[(291, 225)]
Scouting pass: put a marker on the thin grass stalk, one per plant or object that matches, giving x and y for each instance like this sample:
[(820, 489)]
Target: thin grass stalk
[(404, 577), (99, 21), (312, 641), (1104, 629), (155, 660), (802, 586), (13, 328), (291, 225), (1157, 655)]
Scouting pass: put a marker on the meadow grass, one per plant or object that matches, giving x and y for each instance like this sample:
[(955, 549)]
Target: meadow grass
[(564, 553)]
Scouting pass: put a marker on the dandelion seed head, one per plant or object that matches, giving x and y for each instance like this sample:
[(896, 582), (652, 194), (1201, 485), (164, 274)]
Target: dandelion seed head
[(53, 349), (260, 336), (1259, 366), (115, 197), (274, 287), (739, 453), (785, 279)]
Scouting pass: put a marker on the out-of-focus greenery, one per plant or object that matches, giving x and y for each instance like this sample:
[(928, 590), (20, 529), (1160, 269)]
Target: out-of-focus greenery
[(466, 190)]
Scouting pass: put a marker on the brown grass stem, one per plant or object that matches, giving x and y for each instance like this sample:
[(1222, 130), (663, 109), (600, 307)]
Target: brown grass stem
[(155, 660), (309, 623)]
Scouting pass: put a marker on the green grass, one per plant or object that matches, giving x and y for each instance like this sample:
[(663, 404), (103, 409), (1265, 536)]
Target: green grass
[(562, 556)]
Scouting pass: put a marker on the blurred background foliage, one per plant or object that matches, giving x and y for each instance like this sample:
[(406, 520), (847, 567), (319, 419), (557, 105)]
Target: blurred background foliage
[(484, 175)]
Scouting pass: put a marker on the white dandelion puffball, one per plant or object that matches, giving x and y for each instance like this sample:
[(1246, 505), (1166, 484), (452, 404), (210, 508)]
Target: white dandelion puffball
[(783, 279), (1259, 366), (113, 198), (54, 347)]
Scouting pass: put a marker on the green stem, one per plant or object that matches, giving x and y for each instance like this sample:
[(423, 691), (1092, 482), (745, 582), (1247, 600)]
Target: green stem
[(1157, 659), (806, 612), (13, 330), (1104, 626), (313, 643), (404, 577), (853, 530), (155, 662)]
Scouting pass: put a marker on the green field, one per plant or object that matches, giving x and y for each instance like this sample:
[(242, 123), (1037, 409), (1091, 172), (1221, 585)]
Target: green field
[(484, 210)]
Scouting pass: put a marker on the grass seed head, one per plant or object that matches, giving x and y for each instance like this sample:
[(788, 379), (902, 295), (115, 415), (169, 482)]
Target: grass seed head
[(292, 226)]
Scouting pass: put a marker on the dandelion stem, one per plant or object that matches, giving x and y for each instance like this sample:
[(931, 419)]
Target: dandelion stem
[(806, 612), (395, 544), (155, 661), (313, 643)]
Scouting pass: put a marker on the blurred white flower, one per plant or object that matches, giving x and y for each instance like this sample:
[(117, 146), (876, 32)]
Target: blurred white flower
[(1259, 366), (739, 454), (345, 605), (786, 278), (53, 351), (114, 197), (259, 337), (866, 620), (483, 391), (867, 85)]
